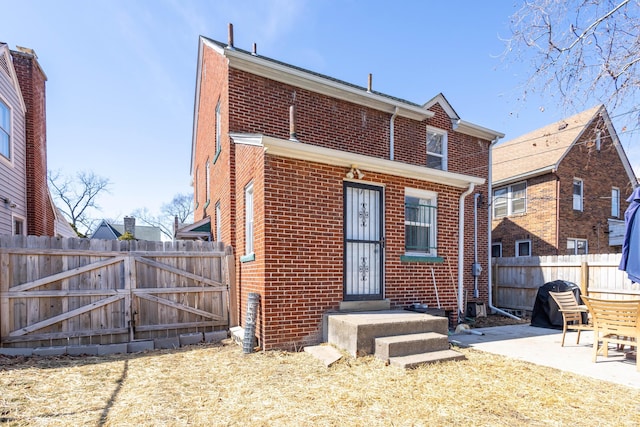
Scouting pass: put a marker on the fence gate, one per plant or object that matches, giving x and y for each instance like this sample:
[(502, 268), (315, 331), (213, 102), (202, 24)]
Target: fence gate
[(78, 291)]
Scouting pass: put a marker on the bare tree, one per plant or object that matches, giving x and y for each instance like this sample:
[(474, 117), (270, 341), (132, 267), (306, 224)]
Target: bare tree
[(181, 206), (582, 50), (77, 195)]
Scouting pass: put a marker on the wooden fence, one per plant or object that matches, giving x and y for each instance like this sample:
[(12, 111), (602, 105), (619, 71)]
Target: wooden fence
[(516, 281), (57, 291)]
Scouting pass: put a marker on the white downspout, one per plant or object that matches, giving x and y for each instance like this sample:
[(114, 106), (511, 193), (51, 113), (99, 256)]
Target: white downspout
[(461, 307), (489, 217), (391, 132)]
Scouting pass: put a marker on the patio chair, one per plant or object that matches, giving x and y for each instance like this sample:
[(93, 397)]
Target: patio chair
[(572, 313), (614, 321)]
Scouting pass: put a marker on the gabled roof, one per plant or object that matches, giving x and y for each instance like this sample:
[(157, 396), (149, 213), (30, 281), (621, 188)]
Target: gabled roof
[(319, 83), (106, 230), (541, 151)]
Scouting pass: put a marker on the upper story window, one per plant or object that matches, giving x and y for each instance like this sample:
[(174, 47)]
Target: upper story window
[(615, 202), (523, 247), (248, 219), (510, 200), (5, 130), (218, 131), (598, 140), (578, 195), (577, 247), (496, 250), (436, 148), (420, 211)]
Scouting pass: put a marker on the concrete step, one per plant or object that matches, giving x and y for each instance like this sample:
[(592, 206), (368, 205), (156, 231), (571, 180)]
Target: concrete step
[(404, 345), (356, 332), (415, 360)]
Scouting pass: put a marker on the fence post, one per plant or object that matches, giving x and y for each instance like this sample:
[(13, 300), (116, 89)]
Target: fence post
[(230, 263), (584, 278)]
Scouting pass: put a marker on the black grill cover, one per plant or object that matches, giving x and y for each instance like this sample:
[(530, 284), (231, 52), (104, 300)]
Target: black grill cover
[(546, 313)]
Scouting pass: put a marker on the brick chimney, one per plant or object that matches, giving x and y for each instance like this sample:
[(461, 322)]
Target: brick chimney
[(32, 80), (130, 225)]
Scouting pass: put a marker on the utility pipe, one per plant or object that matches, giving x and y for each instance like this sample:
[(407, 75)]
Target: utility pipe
[(489, 218), (461, 308), (391, 132), (475, 273)]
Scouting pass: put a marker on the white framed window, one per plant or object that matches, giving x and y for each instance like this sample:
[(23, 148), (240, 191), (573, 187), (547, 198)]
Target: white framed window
[(496, 250), (218, 222), (436, 148), (18, 226), (578, 195), (248, 219), (598, 140), (5, 130), (218, 130), (523, 248), (615, 202), (208, 179), (577, 247), (420, 222), (510, 200)]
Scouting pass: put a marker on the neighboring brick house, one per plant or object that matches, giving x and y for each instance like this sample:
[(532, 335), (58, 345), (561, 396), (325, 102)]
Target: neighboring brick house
[(25, 203), (334, 196), (561, 189)]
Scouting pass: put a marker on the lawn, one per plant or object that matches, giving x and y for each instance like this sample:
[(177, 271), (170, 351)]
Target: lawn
[(218, 385)]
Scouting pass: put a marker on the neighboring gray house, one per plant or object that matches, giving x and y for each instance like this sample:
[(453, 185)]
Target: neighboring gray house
[(13, 175), (110, 231)]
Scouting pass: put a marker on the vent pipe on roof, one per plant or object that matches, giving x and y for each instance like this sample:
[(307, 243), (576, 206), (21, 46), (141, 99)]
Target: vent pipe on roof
[(230, 40), (370, 83), (292, 124), (255, 49)]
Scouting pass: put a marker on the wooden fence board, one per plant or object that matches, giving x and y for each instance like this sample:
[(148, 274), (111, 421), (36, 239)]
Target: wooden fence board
[(107, 291), (516, 280)]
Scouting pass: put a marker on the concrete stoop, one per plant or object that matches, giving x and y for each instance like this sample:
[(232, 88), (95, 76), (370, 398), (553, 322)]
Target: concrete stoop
[(398, 337), (415, 360)]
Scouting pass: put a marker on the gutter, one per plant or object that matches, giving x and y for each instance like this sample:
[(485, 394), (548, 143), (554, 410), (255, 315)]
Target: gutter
[(490, 218), (461, 308)]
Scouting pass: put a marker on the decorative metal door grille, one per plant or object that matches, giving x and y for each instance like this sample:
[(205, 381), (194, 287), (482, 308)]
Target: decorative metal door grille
[(363, 242)]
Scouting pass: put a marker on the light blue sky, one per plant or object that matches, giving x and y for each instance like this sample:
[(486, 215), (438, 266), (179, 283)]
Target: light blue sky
[(121, 73)]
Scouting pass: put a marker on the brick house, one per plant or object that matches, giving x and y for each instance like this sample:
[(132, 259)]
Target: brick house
[(334, 196), (26, 206), (561, 189)]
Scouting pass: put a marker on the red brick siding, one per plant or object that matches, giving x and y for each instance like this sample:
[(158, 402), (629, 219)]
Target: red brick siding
[(250, 275), (298, 205), (600, 171), (538, 224), (304, 248), (40, 215)]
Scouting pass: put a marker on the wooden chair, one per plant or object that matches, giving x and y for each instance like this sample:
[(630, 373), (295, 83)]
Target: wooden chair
[(614, 321), (572, 313)]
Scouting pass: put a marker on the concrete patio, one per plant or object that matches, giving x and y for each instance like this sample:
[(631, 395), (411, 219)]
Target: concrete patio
[(542, 347)]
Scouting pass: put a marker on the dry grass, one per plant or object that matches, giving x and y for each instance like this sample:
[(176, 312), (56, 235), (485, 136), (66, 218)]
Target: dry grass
[(218, 385)]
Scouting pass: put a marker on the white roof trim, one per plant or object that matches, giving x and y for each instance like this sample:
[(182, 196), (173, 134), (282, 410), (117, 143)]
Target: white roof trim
[(4, 50), (527, 175), (460, 125), (318, 84), (314, 153)]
